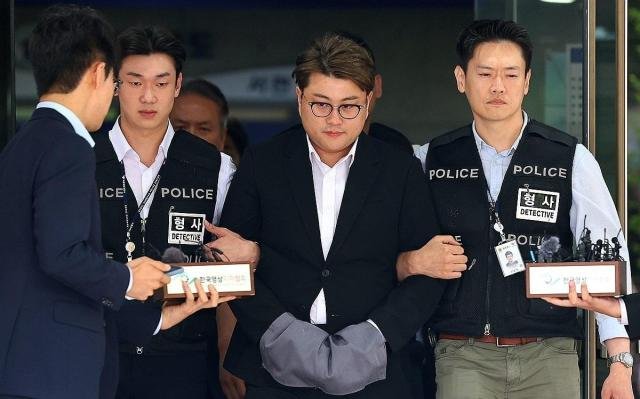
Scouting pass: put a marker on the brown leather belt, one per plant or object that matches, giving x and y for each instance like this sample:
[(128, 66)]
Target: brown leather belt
[(490, 339)]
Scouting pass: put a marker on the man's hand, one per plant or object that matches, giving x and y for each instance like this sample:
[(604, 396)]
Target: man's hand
[(442, 257), (147, 275), (232, 246), (174, 314), (618, 382), (605, 305), (232, 386)]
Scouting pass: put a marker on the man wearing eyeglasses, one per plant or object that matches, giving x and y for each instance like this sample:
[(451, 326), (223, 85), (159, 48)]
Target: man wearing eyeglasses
[(158, 189), (331, 209)]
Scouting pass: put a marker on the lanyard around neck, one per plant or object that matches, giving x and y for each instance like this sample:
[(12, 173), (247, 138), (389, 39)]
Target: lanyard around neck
[(130, 246)]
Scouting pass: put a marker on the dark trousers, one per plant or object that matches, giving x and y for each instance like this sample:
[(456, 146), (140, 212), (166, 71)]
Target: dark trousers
[(254, 392), (429, 373), (187, 375)]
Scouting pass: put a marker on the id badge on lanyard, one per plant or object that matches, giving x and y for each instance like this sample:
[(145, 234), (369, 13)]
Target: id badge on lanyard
[(507, 251)]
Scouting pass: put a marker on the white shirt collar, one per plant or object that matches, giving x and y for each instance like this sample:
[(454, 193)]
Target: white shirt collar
[(480, 143), (75, 122), (121, 145), (351, 154)]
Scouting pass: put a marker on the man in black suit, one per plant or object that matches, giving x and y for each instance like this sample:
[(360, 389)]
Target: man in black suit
[(57, 286), (331, 209)]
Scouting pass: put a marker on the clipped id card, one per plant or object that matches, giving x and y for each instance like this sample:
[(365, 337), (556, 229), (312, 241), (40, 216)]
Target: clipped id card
[(509, 258)]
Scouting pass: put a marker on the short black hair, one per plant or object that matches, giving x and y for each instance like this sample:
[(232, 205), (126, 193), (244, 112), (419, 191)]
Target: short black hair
[(208, 90), (65, 42), (492, 30), (147, 40)]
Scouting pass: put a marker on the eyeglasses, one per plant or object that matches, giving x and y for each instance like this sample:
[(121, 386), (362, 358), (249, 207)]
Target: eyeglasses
[(346, 111)]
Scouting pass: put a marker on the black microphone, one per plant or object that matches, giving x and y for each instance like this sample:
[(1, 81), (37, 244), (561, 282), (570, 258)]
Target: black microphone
[(173, 255), (597, 255), (616, 248)]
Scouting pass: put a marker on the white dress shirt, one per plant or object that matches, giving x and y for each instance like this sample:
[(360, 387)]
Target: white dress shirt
[(590, 196), (328, 184), (140, 177), (624, 318)]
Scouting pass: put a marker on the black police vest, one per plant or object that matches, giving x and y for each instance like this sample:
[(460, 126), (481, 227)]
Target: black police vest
[(188, 184), (483, 300)]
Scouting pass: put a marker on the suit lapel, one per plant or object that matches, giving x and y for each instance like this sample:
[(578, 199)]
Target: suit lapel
[(298, 170), (363, 173)]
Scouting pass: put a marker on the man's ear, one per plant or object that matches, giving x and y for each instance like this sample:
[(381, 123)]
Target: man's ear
[(377, 86), (527, 79), (460, 76), (299, 99), (369, 98), (178, 85), (96, 74)]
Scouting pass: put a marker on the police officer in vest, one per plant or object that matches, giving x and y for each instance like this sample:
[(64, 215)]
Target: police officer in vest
[(500, 184), (157, 189)]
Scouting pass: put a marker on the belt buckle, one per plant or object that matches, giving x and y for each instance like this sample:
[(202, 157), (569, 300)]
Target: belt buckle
[(499, 345)]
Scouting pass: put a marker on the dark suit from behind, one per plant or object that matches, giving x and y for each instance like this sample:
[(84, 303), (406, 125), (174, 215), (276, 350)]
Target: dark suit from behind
[(56, 282), (384, 211), (632, 303)]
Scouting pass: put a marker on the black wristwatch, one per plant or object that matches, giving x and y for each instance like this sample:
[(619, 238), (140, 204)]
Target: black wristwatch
[(623, 357)]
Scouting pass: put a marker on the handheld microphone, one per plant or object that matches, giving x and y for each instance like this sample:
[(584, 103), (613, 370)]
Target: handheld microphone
[(173, 255)]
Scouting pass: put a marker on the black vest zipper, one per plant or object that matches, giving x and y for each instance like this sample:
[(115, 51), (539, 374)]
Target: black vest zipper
[(487, 301)]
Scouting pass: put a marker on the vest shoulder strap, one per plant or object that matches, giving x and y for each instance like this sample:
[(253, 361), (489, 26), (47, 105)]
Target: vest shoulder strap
[(550, 133), (450, 137), (103, 148), (187, 148)]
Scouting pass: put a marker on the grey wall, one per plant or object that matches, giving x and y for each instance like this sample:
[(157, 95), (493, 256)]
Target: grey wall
[(414, 49)]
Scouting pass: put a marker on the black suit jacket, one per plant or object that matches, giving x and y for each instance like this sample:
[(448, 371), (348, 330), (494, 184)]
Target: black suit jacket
[(632, 303), (391, 136), (56, 283), (385, 210)]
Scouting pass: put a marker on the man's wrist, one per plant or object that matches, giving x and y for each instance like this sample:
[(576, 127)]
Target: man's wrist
[(620, 369), (257, 251), (409, 262), (172, 315)]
